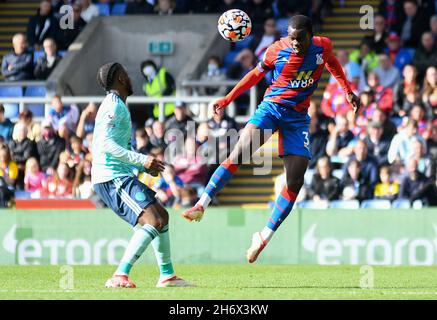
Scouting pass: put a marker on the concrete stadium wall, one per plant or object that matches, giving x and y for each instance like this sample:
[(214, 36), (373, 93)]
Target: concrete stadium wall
[(125, 38), (374, 237)]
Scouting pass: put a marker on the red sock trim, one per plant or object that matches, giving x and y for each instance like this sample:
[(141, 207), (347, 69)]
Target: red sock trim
[(288, 194), (228, 165)]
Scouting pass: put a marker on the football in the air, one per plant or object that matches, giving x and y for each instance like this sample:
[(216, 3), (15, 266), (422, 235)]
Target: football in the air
[(234, 25)]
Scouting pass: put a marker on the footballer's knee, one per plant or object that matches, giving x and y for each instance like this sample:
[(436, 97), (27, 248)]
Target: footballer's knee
[(295, 183)]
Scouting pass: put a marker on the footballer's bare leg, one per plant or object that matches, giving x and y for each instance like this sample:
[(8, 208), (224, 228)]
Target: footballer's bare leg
[(252, 137), (295, 167)]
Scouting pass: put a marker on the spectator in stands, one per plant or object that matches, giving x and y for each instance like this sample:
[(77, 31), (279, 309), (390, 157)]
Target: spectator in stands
[(223, 129), (414, 24), (158, 83), (352, 69), (146, 178), (399, 56), (75, 151), (368, 105), (33, 178), (226, 5), (157, 137), (8, 167), (49, 146), (48, 62), (188, 197), (58, 184), (424, 163), (168, 187), (433, 27), (143, 144), (389, 127), (392, 10), (138, 7), (340, 138), (63, 116), (82, 186), (377, 146), (180, 120), (426, 54), (406, 92), (401, 145), (18, 65), (165, 7), (334, 100), (148, 126), (22, 149), (365, 57), (191, 167), (383, 95), (262, 40), (377, 39), (415, 185), (432, 152), (386, 188), (26, 118), (87, 120), (353, 185), (319, 134), (417, 114), (41, 26), (202, 6), (324, 186), (89, 10), (388, 74), (288, 8), (259, 11), (369, 165), (213, 74), (429, 93), (243, 63), (6, 126), (66, 35)]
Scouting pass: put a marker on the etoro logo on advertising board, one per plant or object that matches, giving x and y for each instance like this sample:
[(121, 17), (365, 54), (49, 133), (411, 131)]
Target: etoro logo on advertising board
[(380, 250), (61, 251)]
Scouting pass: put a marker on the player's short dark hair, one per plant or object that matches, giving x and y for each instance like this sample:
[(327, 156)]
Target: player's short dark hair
[(107, 74), (2, 109), (299, 22)]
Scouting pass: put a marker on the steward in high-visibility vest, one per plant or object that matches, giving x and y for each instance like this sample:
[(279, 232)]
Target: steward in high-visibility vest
[(159, 83)]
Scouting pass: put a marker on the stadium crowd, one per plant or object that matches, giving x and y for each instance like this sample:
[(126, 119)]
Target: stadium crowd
[(388, 151)]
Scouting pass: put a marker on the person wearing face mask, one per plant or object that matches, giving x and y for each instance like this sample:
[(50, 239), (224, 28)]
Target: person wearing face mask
[(212, 74), (49, 146), (158, 83)]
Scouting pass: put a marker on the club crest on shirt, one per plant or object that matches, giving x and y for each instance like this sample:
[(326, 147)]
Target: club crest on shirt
[(319, 58)]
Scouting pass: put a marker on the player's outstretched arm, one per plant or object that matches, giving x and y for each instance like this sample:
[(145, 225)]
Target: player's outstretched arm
[(248, 81), (335, 68)]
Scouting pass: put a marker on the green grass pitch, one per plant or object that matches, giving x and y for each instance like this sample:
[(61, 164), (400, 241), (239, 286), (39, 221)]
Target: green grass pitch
[(223, 282)]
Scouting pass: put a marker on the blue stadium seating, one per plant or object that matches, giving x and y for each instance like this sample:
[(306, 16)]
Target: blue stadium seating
[(229, 58), (103, 9), (312, 204), (11, 109), (37, 55), (401, 204), (36, 91), (62, 53), (240, 45), (118, 9), (376, 204), (344, 204)]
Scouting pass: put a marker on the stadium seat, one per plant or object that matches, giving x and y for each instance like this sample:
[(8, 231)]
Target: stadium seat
[(118, 9), (338, 173), (376, 204), (37, 55), (282, 26), (417, 204), (103, 9), (36, 91), (312, 204), (11, 109), (229, 58), (240, 45), (401, 204), (308, 177), (62, 53), (344, 204)]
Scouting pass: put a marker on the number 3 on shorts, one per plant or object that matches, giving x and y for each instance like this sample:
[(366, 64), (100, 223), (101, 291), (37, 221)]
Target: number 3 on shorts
[(306, 142)]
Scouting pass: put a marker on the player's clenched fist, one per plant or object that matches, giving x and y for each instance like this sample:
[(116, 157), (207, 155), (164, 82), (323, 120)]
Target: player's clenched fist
[(219, 104), (154, 166), (354, 101)]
